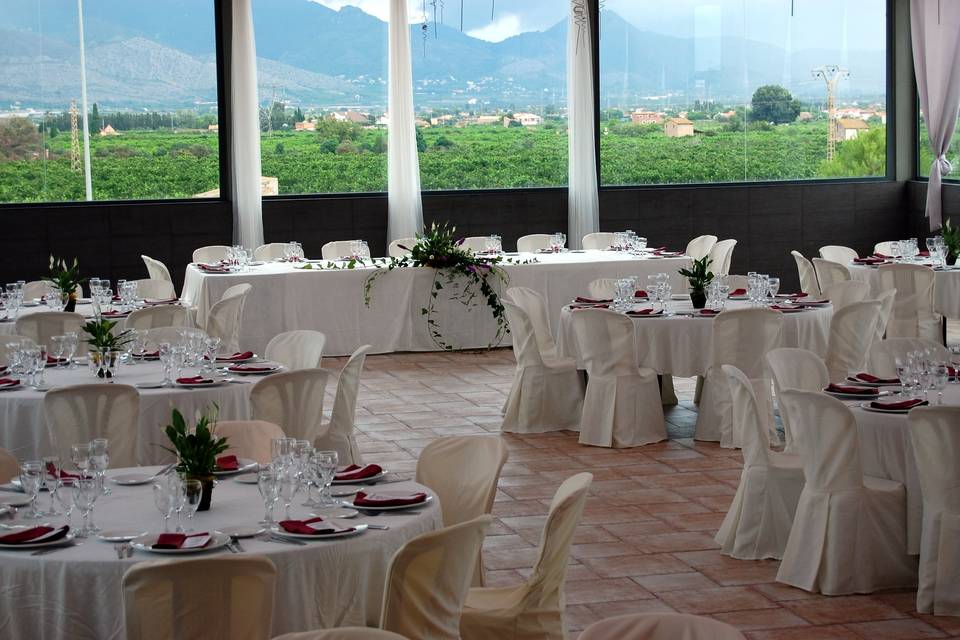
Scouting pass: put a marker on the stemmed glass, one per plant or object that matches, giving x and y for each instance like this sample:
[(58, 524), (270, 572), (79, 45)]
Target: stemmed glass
[(163, 498), (58, 349), (100, 461), (31, 479), (70, 344), (774, 286), (326, 466), (211, 350), (193, 492), (941, 376), (268, 482), (166, 361), (64, 497), (51, 481), (289, 485), (85, 494), (178, 490), (80, 457)]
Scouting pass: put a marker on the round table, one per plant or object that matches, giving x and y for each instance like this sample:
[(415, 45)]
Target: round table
[(23, 427), (8, 325), (681, 344), (946, 288), (75, 593)]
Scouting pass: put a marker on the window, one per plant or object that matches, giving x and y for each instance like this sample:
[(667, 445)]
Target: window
[(737, 90), (151, 86), (926, 155)]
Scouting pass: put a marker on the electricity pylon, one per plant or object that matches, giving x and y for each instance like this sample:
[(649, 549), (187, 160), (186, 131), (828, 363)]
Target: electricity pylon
[(74, 138), (831, 74)]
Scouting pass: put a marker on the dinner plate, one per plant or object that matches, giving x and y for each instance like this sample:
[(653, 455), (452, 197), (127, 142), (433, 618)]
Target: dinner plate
[(14, 499), (791, 310), (247, 478), (864, 383), (270, 367), (120, 535), (246, 464), (853, 396), (131, 479), (344, 490), (866, 407), (59, 542), (370, 480), (352, 531), (229, 361), (241, 530), (30, 303), (145, 542), (400, 507), (199, 385), (335, 512), (149, 385)]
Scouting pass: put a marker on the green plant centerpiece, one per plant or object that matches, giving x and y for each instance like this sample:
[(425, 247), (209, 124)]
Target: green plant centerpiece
[(698, 277), (951, 240), (196, 449), (106, 346), (65, 280)]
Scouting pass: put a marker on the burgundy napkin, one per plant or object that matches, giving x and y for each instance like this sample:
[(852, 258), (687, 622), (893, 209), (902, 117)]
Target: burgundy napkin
[(356, 472), (24, 536), (923, 254), (866, 377), (64, 475), (364, 499), (640, 293), (228, 463), (177, 540), (708, 312), (657, 249), (9, 382), (667, 254), (303, 527), (250, 368), (149, 354), (52, 360), (738, 292), (3, 368), (589, 306), (953, 372), (194, 380), (882, 256), (643, 312), (869, 260), (113, 313), (582, 300), (212, 268), (239, 355), (897, 406), (843, 388)]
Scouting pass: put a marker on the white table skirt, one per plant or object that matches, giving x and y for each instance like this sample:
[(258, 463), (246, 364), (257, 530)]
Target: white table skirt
[(682, 345), (332, 301), (75, 593), (7, 326), (23, 428), (946, 288)]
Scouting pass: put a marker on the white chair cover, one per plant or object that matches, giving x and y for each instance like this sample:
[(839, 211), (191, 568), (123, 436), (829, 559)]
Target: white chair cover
[(224, 318), (660, 626), (602, 288), (156, 269), (83, 412), (299, 349), (164, 315), (336, 249), (159, 335), (152, 289), (211, 254), (428, 581), (736, 281), (476, 244), (37, 289), (598, 240), (270, 251), (936, 446), (292, 400), (795, 369), (849, 534), (852, 331), (396, 250), (622, 405), (884, 354), (700, 246), (741, 337), (463, 471), (758, 521), (888, 248), (337, 435), (913, 314), (40, 327), (342, 633), (887, 299), (842, 294), (9, 467), (808, 275), (12, 339), (533, 242), (721, 255), (535, 609), (535, 307), (829, 272), (249, 438), (547, 394), (219, 598), (837, 253)]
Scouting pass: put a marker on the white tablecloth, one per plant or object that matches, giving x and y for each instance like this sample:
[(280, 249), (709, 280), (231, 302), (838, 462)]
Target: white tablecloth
[(23, 427), (75, 593), (332, 301), (946, 289), (682, 345), (7, 325)]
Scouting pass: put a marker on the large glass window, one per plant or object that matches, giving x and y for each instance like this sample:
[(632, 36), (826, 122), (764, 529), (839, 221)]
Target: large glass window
[(151, 85), (739, 90)]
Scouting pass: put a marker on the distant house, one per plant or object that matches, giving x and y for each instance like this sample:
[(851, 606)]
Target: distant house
[(384, 120), (108, 131), (678, 128), (805, 116), (525, 119), (725, 115), (488, 119), (306, 125), (420, 122), (445, 119), (645, 117), (849, 128), (213, 127), (350, 116)]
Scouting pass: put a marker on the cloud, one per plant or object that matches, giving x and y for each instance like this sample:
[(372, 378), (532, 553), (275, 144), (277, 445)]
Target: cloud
[(505, 26)]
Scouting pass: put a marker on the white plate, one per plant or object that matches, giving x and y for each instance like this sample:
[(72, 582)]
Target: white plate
[(246, 478), (131, 479), (246, 464), (852, 396), (352, 531), (335, 512), (272, 368), (397, 508), (864, 383), (10, 387), (149, 385), (30, 303), (866, 407), (199, 385), (343, 490), (228, 361), (145, 542), (371, 479), (14, 499), (120, 535), (241, 530), (67, 539)]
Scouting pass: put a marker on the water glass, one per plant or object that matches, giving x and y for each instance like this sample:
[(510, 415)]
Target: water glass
[(31, 479), (64, 497), (773, 286), (623, 290), (58, 348), (289, 486), (193, 492), (85, 494), (51, 482), (100, 461), (165, 501), (326, 466), (166, 361), (80, 457), (268, 482), (557, 242), (70, 344)]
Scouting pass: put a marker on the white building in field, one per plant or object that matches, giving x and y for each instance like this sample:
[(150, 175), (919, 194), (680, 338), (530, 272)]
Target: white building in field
[(525, 119)]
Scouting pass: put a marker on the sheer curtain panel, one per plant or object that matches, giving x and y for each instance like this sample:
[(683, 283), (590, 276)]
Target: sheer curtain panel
[(582, 199)]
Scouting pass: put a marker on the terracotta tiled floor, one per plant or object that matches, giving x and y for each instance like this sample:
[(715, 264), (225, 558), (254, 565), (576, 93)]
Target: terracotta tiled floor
[(646, 540)]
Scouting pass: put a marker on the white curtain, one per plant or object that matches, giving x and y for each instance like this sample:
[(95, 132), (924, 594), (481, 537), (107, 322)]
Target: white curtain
[(935, 30), (405, 210), (582, 198), (245, 129)]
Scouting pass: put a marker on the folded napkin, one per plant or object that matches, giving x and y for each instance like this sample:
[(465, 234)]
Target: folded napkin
[(792, 307), (194, 380), (64, 475), (869, 260), (657, 249), (148, 354), (953, 372), (866, 377), (9, 382), (708, 312), (250, 368), (589, 306), (898, 405), (882, 256), (923, 254), (388, 499), (212, 268), (228, 463), (738, 292), (847, 389), (113, 313), (356, 472), (792, 295), (644, 312), (640, 293), (35, 534), (582, 300), (52, 360), (116, 298), (239, 355), (309, 527), (182, 541)]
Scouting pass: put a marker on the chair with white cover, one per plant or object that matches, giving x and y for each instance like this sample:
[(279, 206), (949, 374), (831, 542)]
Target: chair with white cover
[(293, 400), (795, 369), (337, 435), (660, 626), (741, 337), (849, 534), (298, 349), (602, 288), (40, 327), (158, 335), (737, 281), (337, 249), (842, 294), (475, 244), (225, 317), (14, 341), (808, 275), (888, 248), (211, 254), (535, 306), (37, 289), (887, 299), (700, 246), (547, 392), (82, 412), (884, 354), (214, 597), (270, 251), (161, 315), (249, 438), (622, 405), (913, 315), (852, 331), (342, 633), (9, 467), (758, 521), (936, 445), (599, 241), (463, 471), (428, 580), (829, 272), (401, 247), (534, 609), (534, 242), (839, 254), (153, 289), (156, 270), (721, 255)]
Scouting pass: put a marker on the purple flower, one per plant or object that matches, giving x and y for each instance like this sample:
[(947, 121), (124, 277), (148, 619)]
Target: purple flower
[(460, 241)]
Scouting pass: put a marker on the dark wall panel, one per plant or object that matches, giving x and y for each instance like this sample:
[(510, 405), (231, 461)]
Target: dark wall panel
[(919, 227)]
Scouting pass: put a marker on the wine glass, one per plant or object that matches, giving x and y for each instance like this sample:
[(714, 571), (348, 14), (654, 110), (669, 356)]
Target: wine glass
[(80, 457), (85, 494), (774, 286), (178, 490), (64, 497), (51, 481), (70, 344), (100, 461), (163, 498), (326, 465), (268, 482), (166, 362), (58, 349), (211, 349), (289, 486), (31, 479), (193, 492)]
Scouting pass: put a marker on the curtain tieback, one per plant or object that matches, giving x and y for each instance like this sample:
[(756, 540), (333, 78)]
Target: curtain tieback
[(945, 166)]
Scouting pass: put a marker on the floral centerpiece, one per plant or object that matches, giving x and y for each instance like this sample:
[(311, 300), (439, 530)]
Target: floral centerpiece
[(65, 279), (196, 449), (105, 345), (699, 278), (951, 240)]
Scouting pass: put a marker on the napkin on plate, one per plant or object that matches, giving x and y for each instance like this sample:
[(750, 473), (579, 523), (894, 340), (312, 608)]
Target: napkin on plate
[(708, 312), (148, 354), (309, 527), (212, 268), (356, 472), (239, 355), (647, 311), (738, 292), (388, 499), (802, 294), (866, 377), (869, 260), (898, 405), (64, 475), (228, 463), (112, 313), (195, 380), (182, 541), (778, 307), (52, 360), (9, 382), (251, 368), (850, 390), (152, 301), (35, 534), (582, 300), (589, 306), (640, 293)]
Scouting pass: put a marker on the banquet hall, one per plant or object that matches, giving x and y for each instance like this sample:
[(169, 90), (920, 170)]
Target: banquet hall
[(428, 320)]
